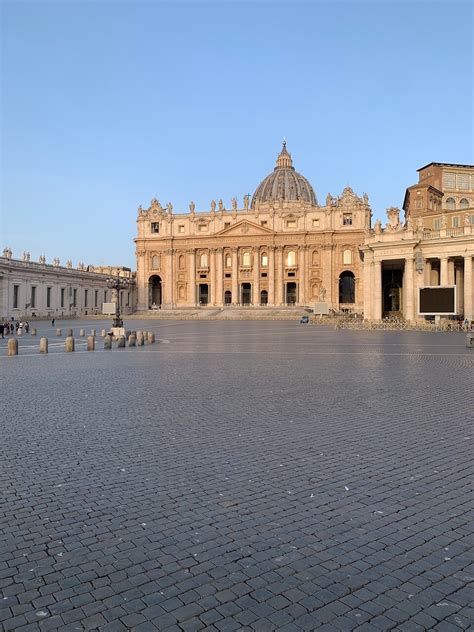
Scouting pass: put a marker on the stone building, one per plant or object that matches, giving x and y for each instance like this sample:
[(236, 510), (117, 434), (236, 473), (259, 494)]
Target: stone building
[(29, 289), (281, 248), (434, 245)]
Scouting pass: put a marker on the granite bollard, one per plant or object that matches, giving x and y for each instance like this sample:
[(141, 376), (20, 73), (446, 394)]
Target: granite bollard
[(90, 343), (12, 349), (33, 331), (140, 340), (58, 332), (132, 340), (108, 342), (69, 344), (121, 342), (82, 333), (43, 348), (151, 337), (103, 333), (92, 332)]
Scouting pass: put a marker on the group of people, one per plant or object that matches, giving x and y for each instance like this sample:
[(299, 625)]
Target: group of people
[(19, 327)]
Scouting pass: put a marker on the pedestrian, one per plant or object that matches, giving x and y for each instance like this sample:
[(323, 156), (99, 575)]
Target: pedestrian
[(27, 327), (52, 323), (2, 329), (12, 328)]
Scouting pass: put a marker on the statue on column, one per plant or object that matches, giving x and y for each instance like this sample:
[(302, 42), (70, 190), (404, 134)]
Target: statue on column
[(378, 227), (221, 205), (234, 203), (213, 205), (192, 207), (246, 201)]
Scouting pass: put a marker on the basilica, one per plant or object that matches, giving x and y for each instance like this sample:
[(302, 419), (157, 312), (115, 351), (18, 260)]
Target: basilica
[(279, 248)]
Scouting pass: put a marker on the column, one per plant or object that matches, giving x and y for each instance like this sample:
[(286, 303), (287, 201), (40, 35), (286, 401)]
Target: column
[(220, 278), (235, 281), (192, 277), (443, 271), (271, 275), (302, 276), (212, 275), (142, 285), (256, 277), (279, 276), (451, 279), (427, 272), (377, 292), (367, 271), (459, 278), (169, 283), (468, 289), (408, 287)]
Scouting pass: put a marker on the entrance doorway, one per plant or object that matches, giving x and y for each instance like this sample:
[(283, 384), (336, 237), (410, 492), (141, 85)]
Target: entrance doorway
[(227, 297), (392, 284), (203, 294), (264, 297), (291, 296), (346, 287), (246, 293), (155, 292)]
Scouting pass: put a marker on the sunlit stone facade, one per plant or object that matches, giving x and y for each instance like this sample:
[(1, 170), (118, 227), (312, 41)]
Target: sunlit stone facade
[(280, 248)]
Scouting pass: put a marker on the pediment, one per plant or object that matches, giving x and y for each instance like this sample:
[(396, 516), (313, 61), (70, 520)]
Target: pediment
[(245, 227)]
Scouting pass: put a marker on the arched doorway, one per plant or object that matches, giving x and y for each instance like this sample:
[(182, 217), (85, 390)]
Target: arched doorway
[(155, 291), (246, 293), (346, 287), (203, 294), (291, 294), (264, 297), (227, 297)]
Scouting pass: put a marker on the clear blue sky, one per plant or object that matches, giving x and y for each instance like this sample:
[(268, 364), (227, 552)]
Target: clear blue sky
[(108, 104)]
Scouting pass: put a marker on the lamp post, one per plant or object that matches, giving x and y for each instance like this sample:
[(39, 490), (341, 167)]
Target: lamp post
[(116, 284)]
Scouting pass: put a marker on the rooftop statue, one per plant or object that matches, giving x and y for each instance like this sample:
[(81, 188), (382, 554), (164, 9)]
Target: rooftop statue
[(192, 207), (234, 203), (246, 201)]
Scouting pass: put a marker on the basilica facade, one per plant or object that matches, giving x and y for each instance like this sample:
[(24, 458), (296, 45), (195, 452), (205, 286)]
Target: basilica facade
[(280, 248)]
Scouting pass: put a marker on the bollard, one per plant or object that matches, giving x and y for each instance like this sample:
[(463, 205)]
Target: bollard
[(92, 332), (140, 340), (102, 333), (151, 337), (108, 342), (90, 343), (33, 332), (12, 347), (127, 333), (58, 332), (132, 340), (82, 333), (121, 342), (43, 345), (69, 344)]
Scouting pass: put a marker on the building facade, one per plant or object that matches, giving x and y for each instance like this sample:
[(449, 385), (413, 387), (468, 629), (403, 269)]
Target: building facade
[(281, 248), (36, 289), (434, 246)]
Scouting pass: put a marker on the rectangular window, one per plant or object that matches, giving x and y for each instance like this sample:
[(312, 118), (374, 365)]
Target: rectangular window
[(315, 223), (226, 224), (155, 227), (202, 228), (347, 219), (263, 222), (86, 296), (462, 181), (181, 228), (291, 223), (33, 296), (74, 297), (437, 223), (455, 222), (96, 297), (264, 275), (228, 275), (63, 291), (449, 180), (471, 219), (48, 296), (16, 291)]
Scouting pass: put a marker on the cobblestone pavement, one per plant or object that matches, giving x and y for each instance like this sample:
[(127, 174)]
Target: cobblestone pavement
[(239, 476)]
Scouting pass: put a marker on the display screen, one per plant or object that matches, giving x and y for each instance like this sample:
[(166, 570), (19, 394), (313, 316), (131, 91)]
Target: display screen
[(438, 300)]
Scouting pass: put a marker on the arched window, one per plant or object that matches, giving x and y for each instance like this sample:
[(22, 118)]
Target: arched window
[(450, 204), (464, 203), (228, 260), (264, 260), (315, 258), (347, 257), (181, 262), (181, 291), (246, 259), (346, 287), (291, 258), (155, 262), (227, 297), (203, 260)]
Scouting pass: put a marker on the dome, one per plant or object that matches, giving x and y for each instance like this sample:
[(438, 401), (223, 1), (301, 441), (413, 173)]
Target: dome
[(284, 183)]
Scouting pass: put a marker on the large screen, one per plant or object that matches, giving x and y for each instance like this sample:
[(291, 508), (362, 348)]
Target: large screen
[(437, 299)]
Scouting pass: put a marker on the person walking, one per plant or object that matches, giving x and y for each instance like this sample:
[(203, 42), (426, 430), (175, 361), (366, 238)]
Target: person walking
[(2, 329), (52, 323), (27, 327)]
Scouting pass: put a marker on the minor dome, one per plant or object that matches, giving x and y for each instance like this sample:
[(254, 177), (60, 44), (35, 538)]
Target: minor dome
[(284, 183)]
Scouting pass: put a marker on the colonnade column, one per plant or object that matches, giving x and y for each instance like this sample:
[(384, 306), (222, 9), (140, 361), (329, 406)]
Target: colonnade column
[(271, 275), (451, 273), (367, 287), (212, 274), (302, 276), (443, 264), (256, 277), (279, 275), (192, 277), (235, 282), (169, 278), (377, 280), (468, 289), (408, 285), (219, 298), (427, 272)]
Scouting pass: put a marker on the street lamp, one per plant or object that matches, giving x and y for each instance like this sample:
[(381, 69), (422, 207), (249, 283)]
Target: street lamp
[(116, 284)]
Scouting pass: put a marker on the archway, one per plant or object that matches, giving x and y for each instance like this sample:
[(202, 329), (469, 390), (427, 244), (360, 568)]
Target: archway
[(264, 297), (246, 293), (155, 291), (291, 294), (346, 287), (227, 297)]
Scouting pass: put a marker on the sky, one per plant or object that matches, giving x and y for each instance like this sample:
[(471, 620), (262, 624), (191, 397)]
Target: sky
[(105, 105)]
